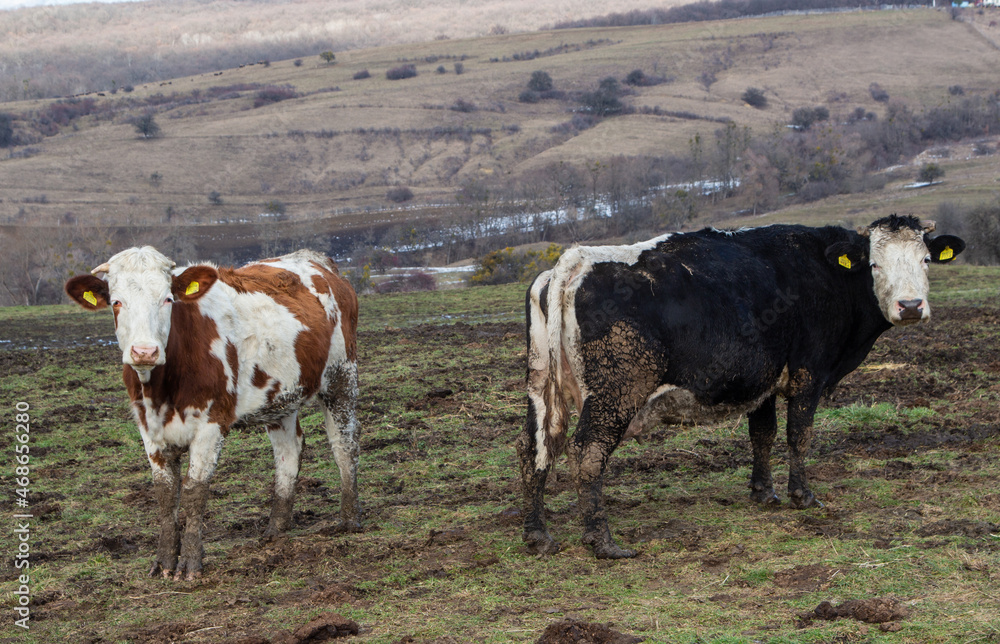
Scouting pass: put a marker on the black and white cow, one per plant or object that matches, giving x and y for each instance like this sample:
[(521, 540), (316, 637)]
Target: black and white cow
[(691, 327)]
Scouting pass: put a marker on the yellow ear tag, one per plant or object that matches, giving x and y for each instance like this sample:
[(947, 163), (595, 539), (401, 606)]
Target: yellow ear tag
[(192, 288), (946, 254), (844, 261), (89, 296)]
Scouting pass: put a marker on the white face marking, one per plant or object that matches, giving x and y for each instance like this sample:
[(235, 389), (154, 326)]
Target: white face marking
[(139, 281), (899, 263)]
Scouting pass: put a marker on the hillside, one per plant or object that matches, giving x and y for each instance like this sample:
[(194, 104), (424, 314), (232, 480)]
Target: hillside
[(325, 158), (65, 50)]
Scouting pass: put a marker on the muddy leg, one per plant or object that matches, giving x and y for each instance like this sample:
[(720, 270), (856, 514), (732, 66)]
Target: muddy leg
[(286, 441), (536, 536), (800, 428), (343, 431), (166, 466), (588, 453), (204, 455), (763, 428)]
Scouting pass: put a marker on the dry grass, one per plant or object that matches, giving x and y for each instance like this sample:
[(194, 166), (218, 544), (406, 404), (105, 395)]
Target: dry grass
[(311, 154)]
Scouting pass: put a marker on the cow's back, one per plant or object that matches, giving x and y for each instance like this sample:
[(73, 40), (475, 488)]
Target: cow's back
[(724, 314), (294, 317)]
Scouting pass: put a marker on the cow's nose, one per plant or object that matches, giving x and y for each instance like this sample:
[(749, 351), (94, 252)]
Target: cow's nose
[(910, 309), (144, 355)]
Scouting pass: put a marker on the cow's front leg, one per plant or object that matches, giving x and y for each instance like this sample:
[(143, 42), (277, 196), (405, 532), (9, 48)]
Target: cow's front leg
[(166, 466), (204, 455), (286, 441), (588, 453), (801, 410), (763, 424)]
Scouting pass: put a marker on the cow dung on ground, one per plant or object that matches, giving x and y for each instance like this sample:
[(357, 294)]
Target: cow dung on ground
[(573, 632)]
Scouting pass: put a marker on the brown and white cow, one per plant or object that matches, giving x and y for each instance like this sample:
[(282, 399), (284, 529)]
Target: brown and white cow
[(207, 349)]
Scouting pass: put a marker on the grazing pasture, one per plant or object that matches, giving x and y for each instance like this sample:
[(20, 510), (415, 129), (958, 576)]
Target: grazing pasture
[(905, 459)]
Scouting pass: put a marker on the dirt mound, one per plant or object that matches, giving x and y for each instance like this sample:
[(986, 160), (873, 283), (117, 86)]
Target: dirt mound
[(327, 626), (806, 579), (885, 611), (574, 632)]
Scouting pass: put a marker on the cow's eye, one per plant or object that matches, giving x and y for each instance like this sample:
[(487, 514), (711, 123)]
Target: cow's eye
[(169, 300), (927, 260), (874, 266)]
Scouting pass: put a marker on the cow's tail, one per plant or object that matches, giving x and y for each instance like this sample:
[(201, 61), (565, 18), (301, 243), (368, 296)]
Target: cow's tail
[(550, 316)]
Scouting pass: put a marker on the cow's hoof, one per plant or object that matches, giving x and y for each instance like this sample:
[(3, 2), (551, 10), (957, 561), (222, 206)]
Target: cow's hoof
[(271, 534), (611, 551), (765, 497), (540, 543), (348, 526), (802, 499), (157, 569)]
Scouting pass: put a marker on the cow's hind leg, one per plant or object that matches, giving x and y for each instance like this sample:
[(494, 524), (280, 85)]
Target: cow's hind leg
[(533, 479), (204, 456), (166, 465), (286, 441), (763, 423), (598, 433), (340, 400)]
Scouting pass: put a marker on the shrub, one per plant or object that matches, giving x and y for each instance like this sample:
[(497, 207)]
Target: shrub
[(540, 82), (215, 198), (275, 207), (804, 117), (298, 62), (636, 77), (956, 90), (505, 266), (328, 57), (274, 94), (146, 126), (528, 96), (754, 97), (930, 172), (459, 69), (399, 194), (982, 148), (604, 101), (401, 72), (6, 130), (441, 70), (462, 105), (878, 94), (362, 75)]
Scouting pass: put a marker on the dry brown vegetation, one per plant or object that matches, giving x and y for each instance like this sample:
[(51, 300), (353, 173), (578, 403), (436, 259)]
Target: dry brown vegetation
[(331, 152), (58, 48)]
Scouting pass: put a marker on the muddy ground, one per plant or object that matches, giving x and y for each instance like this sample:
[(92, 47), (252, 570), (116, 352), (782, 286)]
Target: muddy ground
[(441, 504)]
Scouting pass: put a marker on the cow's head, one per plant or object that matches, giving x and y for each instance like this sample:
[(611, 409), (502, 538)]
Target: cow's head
[(141, 288), (898, 251)]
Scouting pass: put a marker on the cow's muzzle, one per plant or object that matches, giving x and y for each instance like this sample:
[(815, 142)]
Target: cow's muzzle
[(144, 356), (910, 310)]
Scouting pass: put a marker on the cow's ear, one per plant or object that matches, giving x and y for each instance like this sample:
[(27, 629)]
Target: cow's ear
[(88, 291), (944, 248), (193, 283), (848, 256)]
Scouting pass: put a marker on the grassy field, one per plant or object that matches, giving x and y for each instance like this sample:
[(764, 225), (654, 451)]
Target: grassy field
[(905, 459), (342, 143)]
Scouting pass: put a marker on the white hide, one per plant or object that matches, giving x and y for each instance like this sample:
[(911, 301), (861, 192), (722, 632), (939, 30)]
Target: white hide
[(899, 262), (139, 282)]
